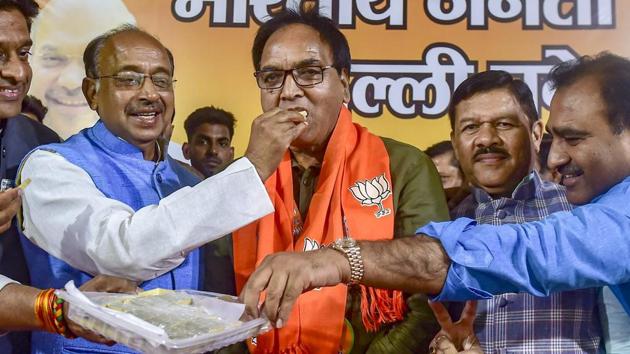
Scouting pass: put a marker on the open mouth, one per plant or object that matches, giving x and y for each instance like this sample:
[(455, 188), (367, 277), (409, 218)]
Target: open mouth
[(148, 118), (569, 180), (10, 93)]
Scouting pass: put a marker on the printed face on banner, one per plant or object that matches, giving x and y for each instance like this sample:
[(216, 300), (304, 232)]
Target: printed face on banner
[(60, 34), (292, 47), (210, 148), (137, 115), (494, 141), (15, 72), (586, 152)]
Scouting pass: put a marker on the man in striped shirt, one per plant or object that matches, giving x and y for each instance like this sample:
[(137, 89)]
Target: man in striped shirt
[(496, 134)]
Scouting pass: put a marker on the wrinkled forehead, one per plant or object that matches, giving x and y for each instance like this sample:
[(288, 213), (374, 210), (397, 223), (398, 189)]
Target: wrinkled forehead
[(134, 51), (296, 44)]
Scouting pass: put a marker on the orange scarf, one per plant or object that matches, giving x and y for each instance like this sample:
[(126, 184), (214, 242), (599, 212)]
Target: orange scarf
[(354, 178)]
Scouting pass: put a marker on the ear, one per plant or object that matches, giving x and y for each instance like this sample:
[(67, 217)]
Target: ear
[(186, 151), (537, 134), (89, 91), (231, 152), (345, 82)]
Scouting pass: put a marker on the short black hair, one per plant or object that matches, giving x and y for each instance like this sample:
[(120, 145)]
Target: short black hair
[(33, 105), (491, 80), (28, 8), (210, 115), (311, 17), (612, 72), (441, 148), (93, 50)]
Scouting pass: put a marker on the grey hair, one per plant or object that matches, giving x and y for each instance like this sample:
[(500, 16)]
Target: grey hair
[(92, 52)]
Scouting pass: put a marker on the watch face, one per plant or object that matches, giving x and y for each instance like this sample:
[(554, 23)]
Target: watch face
[(347, 242)]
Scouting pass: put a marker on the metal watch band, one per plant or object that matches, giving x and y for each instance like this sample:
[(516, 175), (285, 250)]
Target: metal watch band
[(352, 251)]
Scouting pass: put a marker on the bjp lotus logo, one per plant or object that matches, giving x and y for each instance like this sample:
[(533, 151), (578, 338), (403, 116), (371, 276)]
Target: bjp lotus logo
[(373, 192)]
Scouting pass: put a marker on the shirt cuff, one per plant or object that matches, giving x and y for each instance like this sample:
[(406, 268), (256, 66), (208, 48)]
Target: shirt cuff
[(458, 286)]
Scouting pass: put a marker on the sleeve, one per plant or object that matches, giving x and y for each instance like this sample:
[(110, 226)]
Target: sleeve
[(67, 216), (418, 194), (418, 199), (587, 247), (4, 281)]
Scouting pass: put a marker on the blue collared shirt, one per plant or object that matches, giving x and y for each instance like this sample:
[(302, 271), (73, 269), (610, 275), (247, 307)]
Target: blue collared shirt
[(583, 248)]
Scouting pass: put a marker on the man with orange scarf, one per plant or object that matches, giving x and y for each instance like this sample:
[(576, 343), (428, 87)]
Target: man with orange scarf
[(337, 180)]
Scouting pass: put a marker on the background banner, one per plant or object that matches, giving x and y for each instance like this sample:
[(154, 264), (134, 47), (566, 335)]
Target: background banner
[(408, 55)]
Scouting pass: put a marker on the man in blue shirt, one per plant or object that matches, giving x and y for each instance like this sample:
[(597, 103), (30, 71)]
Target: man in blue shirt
[(586, 247)]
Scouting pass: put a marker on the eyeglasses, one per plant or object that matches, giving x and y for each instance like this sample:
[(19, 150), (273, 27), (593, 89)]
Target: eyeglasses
[(305, 76), (134, 80)]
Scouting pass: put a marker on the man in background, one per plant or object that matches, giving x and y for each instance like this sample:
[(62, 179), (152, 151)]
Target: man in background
[(209, 147)]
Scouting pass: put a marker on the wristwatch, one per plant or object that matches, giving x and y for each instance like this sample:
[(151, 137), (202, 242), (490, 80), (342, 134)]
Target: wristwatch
[(352, 251)]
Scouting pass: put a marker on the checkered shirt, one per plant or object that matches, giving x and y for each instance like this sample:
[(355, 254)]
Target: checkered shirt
[(566, 322)]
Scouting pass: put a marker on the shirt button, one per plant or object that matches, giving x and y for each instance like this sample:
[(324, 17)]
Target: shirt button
[(503, 302), (501, 214), (158, 177)]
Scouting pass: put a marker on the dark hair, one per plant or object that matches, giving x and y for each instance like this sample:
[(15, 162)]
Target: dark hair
[(441, 148), (543, 154), (33, 105), (28, 8), (612, 72), (327, 29), (210, 115), (491, 80), (93, 50)]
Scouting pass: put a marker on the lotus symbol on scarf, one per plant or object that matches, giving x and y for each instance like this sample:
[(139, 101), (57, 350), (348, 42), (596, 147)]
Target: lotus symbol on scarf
[(373, 192)]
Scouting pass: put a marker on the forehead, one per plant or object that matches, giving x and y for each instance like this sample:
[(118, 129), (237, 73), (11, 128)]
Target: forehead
[(13, 29), (134, 51), (579, 105), (213, 130), (294, 44), (490, 105)]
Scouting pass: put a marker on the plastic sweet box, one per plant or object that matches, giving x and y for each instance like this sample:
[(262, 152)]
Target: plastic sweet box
[(129, 330)]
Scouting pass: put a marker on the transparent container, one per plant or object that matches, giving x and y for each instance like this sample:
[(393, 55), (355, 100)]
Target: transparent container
[(141, 335)]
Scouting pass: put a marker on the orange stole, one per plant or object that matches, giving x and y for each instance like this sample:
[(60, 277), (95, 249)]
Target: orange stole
[(352, 155)]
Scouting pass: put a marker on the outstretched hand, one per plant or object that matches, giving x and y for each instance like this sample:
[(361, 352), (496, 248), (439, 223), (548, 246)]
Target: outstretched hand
[(286, 275), (458, 337)]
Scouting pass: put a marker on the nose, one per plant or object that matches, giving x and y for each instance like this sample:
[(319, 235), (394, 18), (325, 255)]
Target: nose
[(487, 136), (290, 90), (71, 76), (15, 70), (148, 90), (557, 155)]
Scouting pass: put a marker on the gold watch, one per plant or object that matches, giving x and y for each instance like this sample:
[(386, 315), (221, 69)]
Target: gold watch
[(352, 251)]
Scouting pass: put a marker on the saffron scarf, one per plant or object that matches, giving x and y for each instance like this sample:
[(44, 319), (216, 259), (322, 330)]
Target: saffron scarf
[(354, 196)]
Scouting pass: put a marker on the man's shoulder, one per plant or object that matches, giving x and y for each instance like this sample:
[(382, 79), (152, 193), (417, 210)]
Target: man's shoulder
[(400, 152), (28, 128)]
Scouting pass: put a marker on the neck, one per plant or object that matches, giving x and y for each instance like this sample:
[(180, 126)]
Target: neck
[(152, 151), (306, 158)]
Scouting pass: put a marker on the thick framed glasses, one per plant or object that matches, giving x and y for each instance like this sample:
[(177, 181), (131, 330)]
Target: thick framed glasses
[(304, 76), (134, 80)]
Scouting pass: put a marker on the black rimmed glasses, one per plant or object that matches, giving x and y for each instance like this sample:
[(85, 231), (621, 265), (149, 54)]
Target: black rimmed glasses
[(133, 80), (304, 76)]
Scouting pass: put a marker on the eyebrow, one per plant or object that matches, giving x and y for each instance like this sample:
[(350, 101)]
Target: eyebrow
[(301, 63), (565, 131)]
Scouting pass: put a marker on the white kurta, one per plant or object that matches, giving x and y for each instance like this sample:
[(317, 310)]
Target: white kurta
[(67, 216)]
